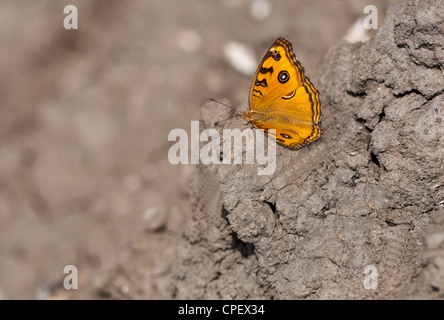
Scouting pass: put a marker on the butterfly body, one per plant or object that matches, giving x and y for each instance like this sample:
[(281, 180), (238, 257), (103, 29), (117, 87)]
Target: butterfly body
[(282, 98)]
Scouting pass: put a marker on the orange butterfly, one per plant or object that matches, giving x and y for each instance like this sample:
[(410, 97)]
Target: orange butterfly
[(281, 97)]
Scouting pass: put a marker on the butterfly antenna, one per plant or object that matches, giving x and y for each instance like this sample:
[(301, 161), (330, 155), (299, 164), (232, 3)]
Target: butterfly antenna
[(217, 122), (226, 105)]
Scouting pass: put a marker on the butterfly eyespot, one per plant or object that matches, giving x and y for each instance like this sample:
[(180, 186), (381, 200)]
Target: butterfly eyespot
[(286, 136), (283, 76)]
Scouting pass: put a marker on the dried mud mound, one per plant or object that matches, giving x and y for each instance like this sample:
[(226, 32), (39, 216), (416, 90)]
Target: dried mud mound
[(364, 195)]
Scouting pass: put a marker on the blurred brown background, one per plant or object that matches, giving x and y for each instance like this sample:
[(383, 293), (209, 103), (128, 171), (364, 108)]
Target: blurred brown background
[(84, 120)]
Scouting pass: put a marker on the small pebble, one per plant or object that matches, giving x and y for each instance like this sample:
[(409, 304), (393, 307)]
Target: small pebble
[(357, 32), (240, 57), (154, 219)]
